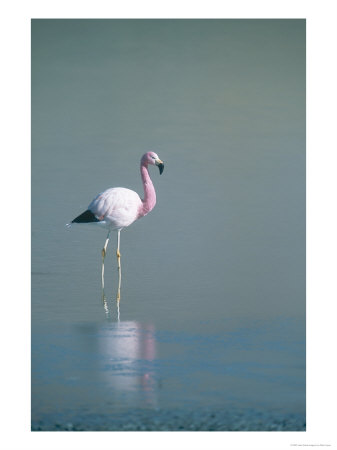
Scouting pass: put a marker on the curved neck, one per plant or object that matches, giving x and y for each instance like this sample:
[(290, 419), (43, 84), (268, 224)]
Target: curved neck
[(149, 200)]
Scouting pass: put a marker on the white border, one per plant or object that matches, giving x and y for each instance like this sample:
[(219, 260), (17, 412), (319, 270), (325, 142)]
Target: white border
[(321, 215)]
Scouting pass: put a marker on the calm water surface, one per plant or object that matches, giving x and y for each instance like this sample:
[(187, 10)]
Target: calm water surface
[(212, 310)]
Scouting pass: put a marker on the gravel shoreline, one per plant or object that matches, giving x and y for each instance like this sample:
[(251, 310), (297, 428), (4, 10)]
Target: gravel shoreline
[(177, 420)]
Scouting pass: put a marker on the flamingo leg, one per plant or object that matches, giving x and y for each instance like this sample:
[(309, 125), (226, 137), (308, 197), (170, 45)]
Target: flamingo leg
[(103, 257), (119, 265)]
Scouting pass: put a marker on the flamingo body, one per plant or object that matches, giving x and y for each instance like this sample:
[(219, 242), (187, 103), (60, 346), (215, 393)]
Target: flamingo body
[(116, 208)]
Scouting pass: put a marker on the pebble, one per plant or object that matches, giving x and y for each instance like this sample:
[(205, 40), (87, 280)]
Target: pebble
[(177, 420)]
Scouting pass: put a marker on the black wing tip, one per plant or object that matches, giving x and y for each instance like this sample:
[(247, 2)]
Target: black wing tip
[(85, 217)]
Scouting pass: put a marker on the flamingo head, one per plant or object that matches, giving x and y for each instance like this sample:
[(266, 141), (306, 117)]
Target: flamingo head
[(152, 159)]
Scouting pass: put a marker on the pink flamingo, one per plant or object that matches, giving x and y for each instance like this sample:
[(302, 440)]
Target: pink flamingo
[(117, 208)]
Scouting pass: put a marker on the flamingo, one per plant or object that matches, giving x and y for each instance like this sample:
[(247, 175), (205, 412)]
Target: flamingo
[(117, 208)]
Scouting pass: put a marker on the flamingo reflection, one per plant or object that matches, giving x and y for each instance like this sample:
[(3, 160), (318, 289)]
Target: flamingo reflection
[(107, 309), (129, 349)]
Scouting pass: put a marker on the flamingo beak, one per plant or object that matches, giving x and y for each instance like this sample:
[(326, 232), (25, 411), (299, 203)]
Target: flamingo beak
[(160, 165)]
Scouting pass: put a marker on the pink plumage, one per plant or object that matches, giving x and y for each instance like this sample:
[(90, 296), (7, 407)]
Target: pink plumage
[(118, 207)]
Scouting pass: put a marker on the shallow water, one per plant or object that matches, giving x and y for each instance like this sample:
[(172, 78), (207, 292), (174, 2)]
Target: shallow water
[(113, 367), (212, 313)]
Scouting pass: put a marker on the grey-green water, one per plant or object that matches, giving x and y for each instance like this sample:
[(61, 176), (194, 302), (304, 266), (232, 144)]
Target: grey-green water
[(212, 311)]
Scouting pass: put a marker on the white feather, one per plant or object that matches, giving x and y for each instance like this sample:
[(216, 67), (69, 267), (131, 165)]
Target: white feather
[(116, 208)]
